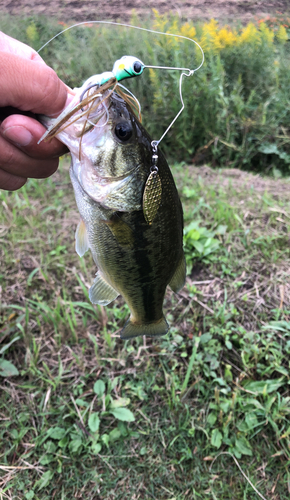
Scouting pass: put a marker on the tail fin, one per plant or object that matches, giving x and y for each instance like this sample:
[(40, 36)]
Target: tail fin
[(155, 329)]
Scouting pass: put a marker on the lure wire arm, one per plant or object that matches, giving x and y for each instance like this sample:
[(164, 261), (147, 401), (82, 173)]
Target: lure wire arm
[(154, 167), (154, 146), (190, 72)]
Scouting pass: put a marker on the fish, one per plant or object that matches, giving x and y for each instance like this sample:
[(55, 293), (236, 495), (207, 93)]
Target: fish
[(130, 210)]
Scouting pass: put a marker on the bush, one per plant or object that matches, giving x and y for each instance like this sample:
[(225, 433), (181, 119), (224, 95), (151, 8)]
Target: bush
[(236, 105)]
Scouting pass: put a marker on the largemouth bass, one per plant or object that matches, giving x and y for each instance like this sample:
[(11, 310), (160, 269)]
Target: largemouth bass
[(136, 256)]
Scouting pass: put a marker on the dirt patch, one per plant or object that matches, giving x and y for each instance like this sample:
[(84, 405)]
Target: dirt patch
[(237, 179), (66, 10), (258, 284)]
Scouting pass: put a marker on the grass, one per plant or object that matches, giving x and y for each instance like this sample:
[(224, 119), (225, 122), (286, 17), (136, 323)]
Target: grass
[(87, 415)]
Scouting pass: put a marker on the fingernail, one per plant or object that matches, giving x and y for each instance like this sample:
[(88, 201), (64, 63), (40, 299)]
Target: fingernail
[(20, 136), (69, 99)]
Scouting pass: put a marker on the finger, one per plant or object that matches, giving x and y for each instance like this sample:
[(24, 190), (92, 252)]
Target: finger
[(30, 85), (11, 182), (16, 162), (25, 132)]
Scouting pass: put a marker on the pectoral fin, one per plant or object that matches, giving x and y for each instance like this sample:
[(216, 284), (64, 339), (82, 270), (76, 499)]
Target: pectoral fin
[(178, 279), (82, 242), (101, 292)]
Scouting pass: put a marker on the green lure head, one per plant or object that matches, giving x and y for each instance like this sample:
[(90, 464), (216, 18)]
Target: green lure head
[(128, 67)]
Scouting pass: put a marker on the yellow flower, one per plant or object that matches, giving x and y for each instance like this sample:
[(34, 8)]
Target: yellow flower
[(157, 93), (281, 35), (249, 34), (173, 29), (226, 38), (215, 39), (266, 34), (152, 75), (209, 36), (159, 21), (188, 30), (31, 32)]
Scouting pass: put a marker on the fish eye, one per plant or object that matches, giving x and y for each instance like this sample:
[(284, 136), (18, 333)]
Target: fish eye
[(137, 67), (123, 131)]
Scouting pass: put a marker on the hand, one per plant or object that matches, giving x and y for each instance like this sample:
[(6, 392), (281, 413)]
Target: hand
[(29, 85)]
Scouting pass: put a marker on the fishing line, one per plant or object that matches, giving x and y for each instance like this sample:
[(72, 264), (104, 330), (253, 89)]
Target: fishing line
[(137, 28), (185, 71)]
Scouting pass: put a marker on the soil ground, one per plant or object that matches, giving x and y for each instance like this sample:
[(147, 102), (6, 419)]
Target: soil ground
[(68, 10)]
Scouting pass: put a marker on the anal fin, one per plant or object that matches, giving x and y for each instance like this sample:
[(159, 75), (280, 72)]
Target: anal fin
[(178, 279), (101, 292), (82, 242), (154, 329)]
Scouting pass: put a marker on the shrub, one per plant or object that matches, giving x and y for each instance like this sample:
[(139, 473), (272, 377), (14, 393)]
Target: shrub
[(236, 105)]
